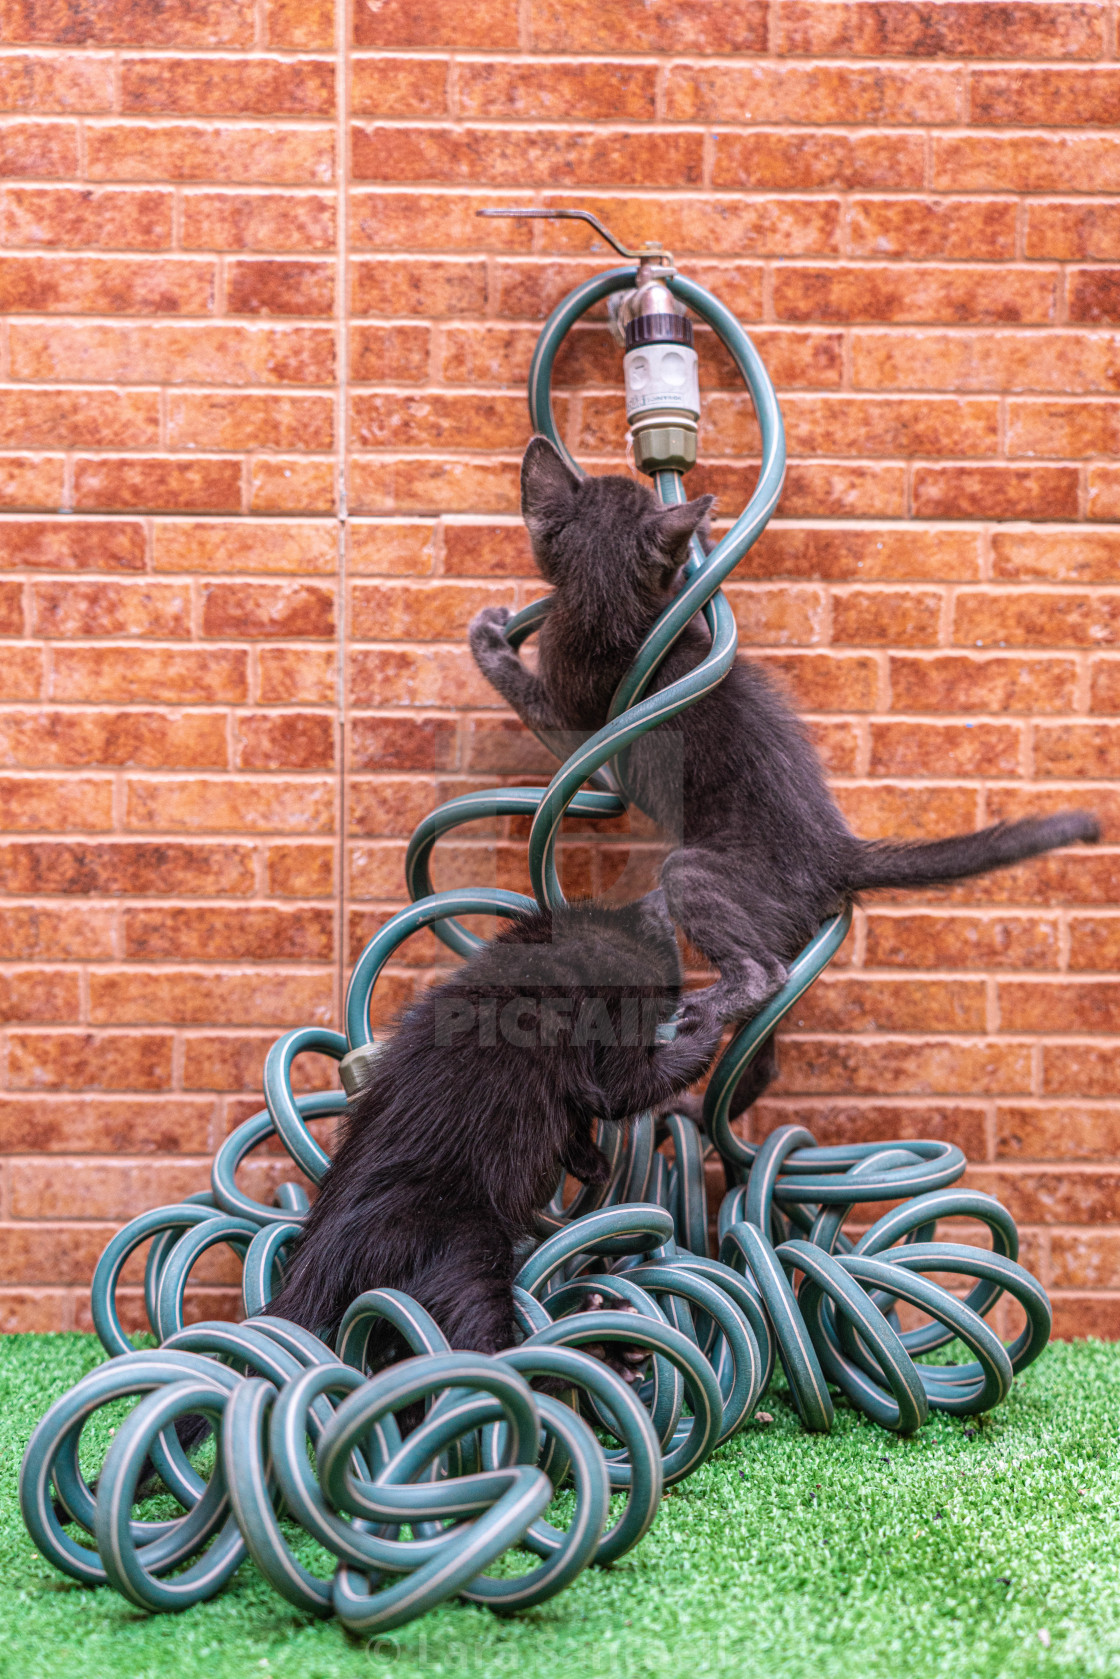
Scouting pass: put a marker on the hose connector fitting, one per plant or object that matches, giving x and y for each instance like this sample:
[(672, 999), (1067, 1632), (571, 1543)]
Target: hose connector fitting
[(661, 373)]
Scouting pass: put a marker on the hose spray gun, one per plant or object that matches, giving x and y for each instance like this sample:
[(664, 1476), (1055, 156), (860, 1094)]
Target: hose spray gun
[(660, 366)]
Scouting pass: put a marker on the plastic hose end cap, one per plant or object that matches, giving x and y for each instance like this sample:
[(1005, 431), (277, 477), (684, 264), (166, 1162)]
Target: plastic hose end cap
[(665, 448), (354, 1069)]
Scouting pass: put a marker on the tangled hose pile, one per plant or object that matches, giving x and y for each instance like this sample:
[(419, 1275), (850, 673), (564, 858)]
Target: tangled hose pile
[(626, 1270)]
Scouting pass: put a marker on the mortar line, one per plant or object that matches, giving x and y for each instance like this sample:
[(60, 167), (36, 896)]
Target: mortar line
[(342, 387)]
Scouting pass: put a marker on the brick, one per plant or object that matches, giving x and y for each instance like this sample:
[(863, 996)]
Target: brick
[(854, 425), (1080, 1069), (11, 608), (1070, 429), (107, 1189), (37, 994), (1010, 803), (1066, 1006), (297, 674), (1064, 1195), (267, 609), (886, 617), (914, 293), (781, 617), (51, 1253), (266, 155), (300, 24), (1104, 685), (130, 483), (388, 807), (170, 353), (986, 361), (37, 1311), (1094, 294), (1068, 230), (202, 996), (781, 161), (1069, 750), (826, 681), (402, 610), (414, 219), (1022, 618), (1094, 942), (422, 949), (89, 1060), (697, 26), (260, 221), (1030, 98), (1053, 881), (433, 287), (185, 546), (837, 746), (514, 156), (501, 746), (241, 806), (876, 553), (899, 1066), (839, 1123), (21, 673), (396, 548), (819, 490), (62, 82), (165, 675), (128, 867), (1036, 1132), (543, 91), (433, 485), (219, 934), (1103, 501), (221, 420), (408, 743), (925, 940), (456, 24), (35, 803), (859, 1004), (995, 492), (275, 287), (236, 1062), (425, 676), (1077, 556), (941, 749), (910, 29), (196, 87), (300, 871), (833, 93), (933, 227), (110, 218), (1026, 162), (30, 483), (78, 419), (435, 420), (962, 682), (48, 150), (55, 932), (176, 23), (90, 285), (284, 741), (399, 353), (1086, 1259), (287, 484), (473, 549), (886, 812), (100, 608), (76, 739), (403, 87)]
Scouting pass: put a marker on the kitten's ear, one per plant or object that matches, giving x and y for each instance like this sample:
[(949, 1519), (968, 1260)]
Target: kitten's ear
[(547, 486), (675, 526)]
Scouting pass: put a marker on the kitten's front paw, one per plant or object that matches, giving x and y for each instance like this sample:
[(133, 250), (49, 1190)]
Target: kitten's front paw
[(487, 635)]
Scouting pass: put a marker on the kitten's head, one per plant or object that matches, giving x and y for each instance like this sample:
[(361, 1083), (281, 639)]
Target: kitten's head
[(609, 531)]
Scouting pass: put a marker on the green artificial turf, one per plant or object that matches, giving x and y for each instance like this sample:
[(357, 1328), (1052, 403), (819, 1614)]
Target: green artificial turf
[(975, 1549)]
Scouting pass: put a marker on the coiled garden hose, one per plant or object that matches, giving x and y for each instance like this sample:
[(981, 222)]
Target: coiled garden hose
[(624, 1269)]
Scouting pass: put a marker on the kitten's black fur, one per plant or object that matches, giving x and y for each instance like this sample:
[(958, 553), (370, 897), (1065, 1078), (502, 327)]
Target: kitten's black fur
[(453, 1145), (764, 855)]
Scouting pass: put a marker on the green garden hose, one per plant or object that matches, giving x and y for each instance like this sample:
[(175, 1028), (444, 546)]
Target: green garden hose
[(414, 1521)]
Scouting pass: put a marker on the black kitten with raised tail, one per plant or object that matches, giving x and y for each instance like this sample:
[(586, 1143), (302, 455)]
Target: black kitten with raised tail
[(763, 854), (489, 1086)]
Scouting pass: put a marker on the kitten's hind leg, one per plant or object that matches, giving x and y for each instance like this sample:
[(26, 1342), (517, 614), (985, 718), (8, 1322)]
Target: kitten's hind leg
[(468, 1285), (724, 930)]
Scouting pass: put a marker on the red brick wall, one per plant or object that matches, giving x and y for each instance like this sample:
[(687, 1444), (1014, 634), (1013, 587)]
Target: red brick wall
[(223, 317)]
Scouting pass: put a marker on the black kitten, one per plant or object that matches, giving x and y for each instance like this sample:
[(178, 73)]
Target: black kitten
[(489, 1086), (764, 855)]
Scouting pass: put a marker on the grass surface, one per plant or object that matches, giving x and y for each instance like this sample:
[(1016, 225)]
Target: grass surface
[(971, 1551)]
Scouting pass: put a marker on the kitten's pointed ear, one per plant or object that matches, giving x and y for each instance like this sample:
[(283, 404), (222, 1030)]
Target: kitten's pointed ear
[(675, 526), (547, 485)]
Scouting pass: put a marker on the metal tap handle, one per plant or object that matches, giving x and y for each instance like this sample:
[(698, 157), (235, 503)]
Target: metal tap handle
[(652, 249)]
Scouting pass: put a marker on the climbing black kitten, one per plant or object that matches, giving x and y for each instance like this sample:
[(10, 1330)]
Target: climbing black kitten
[(488, 1087), (764, 853)]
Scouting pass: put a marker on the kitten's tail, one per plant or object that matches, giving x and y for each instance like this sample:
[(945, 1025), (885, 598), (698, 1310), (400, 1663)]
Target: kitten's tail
[(881, 863)]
